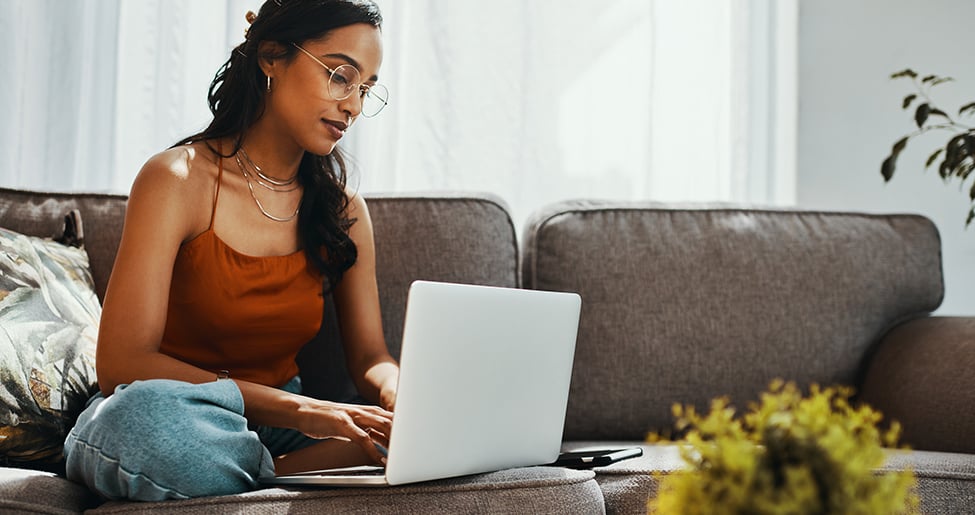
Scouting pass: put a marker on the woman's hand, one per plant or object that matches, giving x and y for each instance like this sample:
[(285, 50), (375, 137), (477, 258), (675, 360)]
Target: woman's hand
[(387, 394), (365, 426)]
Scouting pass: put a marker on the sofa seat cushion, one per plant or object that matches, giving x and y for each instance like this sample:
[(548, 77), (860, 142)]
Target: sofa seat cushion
[(946, 481), (31, 491), (628, 485), (521, 490)]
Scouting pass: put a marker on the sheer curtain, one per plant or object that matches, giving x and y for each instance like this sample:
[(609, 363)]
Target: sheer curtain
[(625, 99), (533, 101), (95, 87)]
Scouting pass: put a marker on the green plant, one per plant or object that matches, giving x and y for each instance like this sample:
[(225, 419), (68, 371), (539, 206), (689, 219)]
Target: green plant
[(957, 155), (787, 454)]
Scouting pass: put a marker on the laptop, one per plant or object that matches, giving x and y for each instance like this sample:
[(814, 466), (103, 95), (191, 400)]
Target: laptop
[(483, 385)]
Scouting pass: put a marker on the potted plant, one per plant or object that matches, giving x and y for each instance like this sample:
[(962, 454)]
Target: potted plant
[(957, 155), (787, 454)]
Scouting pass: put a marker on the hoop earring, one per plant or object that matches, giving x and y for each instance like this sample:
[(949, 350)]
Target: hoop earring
[(268, 83)]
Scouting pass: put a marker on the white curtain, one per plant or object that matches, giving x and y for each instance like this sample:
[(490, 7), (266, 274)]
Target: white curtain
[(533, 101)]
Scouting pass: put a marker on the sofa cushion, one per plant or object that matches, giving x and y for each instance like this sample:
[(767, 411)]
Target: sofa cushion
[(522, 490), (921, 376), (444, 237), (41, 214), (48, 328), (31, 491), (687, 304), (946, 481)]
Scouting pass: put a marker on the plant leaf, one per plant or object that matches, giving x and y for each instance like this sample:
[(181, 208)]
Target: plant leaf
[(910, 98), (939, 112), (904, 73), (928, 79), (971, 194), (944, 169), (899, 145), (971, 216), (933, 158), (941, 80), (966, 107), (887, 169), (921, 115)]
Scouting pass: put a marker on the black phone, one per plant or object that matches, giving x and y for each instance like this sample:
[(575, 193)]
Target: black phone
[(596, 458)]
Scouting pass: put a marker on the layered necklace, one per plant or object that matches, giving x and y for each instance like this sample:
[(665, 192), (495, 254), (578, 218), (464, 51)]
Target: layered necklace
[(268, 183)]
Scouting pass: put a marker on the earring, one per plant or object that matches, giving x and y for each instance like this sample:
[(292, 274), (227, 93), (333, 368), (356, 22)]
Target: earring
[(268, 83)]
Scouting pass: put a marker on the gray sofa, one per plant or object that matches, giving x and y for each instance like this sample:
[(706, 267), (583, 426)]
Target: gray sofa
[(680, 304)]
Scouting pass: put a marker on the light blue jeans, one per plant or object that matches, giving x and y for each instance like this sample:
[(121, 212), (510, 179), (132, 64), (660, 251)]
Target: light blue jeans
[(160, 439)]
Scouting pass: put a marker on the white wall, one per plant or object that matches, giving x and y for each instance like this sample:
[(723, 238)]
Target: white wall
[(850, 115)]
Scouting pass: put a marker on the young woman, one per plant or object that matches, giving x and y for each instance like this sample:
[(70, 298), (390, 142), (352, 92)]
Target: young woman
[(230, 239)]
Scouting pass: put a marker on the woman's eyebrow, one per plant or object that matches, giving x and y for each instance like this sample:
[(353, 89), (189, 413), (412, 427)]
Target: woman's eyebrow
[(351, 61)]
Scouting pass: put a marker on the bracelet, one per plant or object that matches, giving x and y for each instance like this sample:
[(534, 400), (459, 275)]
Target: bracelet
[(223, 375)]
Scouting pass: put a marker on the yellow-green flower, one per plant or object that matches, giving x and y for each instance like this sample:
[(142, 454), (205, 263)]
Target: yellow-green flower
[(787, 454)]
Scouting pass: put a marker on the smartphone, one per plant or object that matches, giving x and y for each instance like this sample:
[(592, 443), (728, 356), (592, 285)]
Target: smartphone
[(596, 458)]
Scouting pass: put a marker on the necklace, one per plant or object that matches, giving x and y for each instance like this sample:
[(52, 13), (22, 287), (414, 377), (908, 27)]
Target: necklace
[(270, 187), (257, 201), (269, 179)]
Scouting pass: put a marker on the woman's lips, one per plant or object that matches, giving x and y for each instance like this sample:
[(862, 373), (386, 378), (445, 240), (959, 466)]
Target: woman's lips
[(336, 129)]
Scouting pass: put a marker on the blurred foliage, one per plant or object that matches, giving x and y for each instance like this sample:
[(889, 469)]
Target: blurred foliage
[(958, 153), (787, 454)]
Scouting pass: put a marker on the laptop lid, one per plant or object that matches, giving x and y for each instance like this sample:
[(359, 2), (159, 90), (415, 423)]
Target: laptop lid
[(483, 385)]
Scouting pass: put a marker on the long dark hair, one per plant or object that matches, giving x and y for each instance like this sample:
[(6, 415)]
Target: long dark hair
[(237, 101)]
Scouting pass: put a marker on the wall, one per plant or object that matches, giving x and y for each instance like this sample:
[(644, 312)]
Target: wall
[(850, 115)]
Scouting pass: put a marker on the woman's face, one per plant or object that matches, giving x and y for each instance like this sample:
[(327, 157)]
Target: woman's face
[(299, 102)]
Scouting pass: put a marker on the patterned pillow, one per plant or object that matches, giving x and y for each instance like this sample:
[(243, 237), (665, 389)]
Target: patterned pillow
[(48, 327)]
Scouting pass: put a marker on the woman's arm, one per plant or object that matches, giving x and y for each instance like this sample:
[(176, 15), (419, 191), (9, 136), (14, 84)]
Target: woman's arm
[(373, 369), (167, 206)]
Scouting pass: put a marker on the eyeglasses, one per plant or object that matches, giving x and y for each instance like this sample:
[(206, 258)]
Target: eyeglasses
[(345, 79)]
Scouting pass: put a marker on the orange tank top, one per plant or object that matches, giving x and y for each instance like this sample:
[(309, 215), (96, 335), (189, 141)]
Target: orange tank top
[(244, 314)]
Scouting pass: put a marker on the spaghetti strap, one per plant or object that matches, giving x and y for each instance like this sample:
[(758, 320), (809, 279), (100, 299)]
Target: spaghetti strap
[(216, 193)]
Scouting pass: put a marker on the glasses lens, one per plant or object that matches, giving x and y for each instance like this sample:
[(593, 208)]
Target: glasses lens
[(343, 80), (375, 99)]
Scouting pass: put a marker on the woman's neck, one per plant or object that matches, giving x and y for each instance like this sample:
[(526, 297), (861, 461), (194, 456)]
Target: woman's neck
[(278, 156)]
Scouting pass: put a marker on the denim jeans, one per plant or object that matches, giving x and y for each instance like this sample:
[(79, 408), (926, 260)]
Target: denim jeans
[(161, 439)]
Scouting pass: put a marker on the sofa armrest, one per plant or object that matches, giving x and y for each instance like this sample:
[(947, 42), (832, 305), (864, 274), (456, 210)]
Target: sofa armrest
[(921, 374)]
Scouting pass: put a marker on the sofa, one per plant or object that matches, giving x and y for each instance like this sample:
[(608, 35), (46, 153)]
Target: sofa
[(681, 303)]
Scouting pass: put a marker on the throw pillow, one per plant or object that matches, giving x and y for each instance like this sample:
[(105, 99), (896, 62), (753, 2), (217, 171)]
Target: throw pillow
[(48, 328)]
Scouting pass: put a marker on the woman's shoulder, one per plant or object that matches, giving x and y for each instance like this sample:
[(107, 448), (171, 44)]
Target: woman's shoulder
[(186, 167), (176, 186)]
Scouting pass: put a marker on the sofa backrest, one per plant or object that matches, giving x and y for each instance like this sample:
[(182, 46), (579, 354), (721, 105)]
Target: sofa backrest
[(442, 237), (681, 305), (42, 214)]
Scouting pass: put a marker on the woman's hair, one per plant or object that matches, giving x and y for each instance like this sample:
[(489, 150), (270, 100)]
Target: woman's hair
[(237, 101)]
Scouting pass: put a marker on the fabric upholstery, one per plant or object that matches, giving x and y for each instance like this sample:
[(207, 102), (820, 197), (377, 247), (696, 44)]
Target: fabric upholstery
[(946, 481), (41, 214), (48, 328), (524, 490), (686, 304), (30, 491), (921, 376), (451, 238)]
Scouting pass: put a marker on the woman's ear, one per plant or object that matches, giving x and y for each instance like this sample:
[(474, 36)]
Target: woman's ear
[(266, 50)]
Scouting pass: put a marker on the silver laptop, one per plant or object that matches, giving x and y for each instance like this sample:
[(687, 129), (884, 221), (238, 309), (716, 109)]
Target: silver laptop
[(483, 385)]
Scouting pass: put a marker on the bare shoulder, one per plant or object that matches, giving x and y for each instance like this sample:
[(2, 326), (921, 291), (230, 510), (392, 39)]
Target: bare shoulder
[(177, 186), (357, 204), (185, 168)]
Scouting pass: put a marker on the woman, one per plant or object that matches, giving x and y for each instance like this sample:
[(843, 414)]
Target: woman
[(229, 238)]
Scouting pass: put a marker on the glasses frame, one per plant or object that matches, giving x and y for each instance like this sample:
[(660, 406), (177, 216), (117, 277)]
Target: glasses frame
[(364, 89)]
